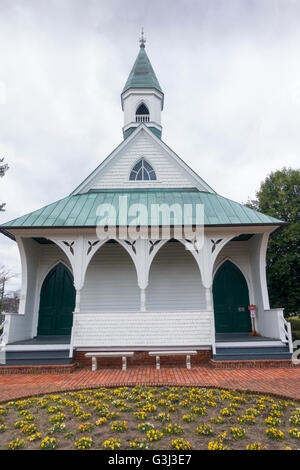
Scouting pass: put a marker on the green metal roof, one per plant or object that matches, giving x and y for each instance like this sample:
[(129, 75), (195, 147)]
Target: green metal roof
[(130, 130), (80, 210), (142, 74)]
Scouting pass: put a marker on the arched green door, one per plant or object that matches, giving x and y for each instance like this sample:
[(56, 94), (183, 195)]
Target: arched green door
[(231, 300), (57, 302)]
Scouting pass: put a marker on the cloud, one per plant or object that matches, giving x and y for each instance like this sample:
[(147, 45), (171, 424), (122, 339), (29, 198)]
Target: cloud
[(230, 72)]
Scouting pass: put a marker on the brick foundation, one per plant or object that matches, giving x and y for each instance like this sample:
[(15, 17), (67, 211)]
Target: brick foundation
[(142, 358), (39, 369), (257, 364)]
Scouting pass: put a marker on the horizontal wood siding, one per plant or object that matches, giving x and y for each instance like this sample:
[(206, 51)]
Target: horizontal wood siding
[(142, 329), (174, 281), (49, 255), (168, 172), (111, 282), (238, 253)]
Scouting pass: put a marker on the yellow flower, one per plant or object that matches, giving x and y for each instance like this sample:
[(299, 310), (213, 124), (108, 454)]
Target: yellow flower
[(83, 443)]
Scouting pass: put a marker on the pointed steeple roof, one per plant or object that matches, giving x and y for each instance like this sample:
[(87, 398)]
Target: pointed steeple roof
[(142, 74)]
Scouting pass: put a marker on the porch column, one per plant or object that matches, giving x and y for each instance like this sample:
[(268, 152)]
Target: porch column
[(77, 300), (209, 307), (208, 298), (143, 300)]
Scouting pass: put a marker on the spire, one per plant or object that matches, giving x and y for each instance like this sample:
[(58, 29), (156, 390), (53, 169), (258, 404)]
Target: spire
[(142, 39), (142, 98), (142, 74)]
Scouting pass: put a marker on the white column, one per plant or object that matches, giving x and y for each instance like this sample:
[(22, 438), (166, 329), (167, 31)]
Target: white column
[(208, 298), (77, 300), (143, 300), (209, 307)]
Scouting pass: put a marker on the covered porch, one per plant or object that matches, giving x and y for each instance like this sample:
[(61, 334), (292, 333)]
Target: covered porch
[(140, 295)]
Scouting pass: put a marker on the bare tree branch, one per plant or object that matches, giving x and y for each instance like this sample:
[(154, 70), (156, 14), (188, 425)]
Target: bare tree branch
[(3, 169), (5, 275)]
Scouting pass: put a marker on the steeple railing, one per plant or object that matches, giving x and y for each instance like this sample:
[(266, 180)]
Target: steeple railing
[(142, 118)]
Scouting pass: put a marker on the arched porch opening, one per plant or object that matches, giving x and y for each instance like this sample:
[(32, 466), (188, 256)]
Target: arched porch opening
[(110, 281), (174, 280)]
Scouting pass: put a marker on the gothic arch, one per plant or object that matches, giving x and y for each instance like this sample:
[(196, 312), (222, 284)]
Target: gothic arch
[(40, 281), (113, 269), (62, 302), (142, 108), (187, 247), (128, 247), (143, 165), (238, 266), (174, 279)]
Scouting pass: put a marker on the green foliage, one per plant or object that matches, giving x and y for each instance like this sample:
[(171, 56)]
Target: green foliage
[(295, 322), (279, 196)]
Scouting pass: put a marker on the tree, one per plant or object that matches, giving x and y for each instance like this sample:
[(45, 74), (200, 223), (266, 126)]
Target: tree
[(3, 169), (5, 275), (279, 196), (11, 302)]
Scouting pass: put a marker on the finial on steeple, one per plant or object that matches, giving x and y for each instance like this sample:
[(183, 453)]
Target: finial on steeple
[(142, 39)]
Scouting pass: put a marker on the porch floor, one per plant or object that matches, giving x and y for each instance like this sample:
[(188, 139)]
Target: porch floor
[(41, 340), (65, 339), (240, 338)]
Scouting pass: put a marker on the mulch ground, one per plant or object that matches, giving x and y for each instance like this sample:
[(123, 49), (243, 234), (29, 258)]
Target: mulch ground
[(283, 382), (162, 418)]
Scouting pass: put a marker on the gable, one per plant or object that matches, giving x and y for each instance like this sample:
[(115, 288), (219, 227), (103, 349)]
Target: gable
[(114, 172)]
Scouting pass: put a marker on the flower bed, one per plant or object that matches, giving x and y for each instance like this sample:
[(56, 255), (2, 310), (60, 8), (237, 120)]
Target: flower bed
[(177, 418)]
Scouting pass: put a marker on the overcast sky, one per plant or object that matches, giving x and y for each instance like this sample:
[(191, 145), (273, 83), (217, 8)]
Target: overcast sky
[(230, 71)]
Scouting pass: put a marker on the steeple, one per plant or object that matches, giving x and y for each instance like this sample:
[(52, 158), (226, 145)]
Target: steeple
[(142, 97)]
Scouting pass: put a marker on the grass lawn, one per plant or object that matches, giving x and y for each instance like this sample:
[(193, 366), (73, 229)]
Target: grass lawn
[(150, 418)]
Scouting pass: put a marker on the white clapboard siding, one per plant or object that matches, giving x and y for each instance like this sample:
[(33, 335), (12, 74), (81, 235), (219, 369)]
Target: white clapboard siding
[(174, 281), (49, 255), (142, 329), (111, 282), (238, 253), (116, 174)]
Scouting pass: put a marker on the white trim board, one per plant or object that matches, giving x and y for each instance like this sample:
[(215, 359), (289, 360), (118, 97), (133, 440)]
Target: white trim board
[(37, 347), (141, 349)]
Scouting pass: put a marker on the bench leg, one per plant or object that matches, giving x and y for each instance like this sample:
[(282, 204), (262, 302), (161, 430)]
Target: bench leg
[(94, 363), (157, 362), (124, 362), (188, 361)]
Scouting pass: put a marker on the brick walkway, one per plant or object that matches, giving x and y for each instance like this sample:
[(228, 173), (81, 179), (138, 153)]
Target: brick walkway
[(279, 381)]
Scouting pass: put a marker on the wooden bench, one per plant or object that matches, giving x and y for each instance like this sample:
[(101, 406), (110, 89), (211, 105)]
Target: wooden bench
[(94, 355), (188, 355)]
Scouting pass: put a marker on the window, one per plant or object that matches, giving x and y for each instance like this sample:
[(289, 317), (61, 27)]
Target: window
[(142, 171), (142, 114)]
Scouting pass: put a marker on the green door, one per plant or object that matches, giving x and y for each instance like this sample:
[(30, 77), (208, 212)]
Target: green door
[(231, 300), (57, 302)]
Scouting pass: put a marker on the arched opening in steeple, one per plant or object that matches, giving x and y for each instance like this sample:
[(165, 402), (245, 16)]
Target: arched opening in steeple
[(142, 171), (142, 113)]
